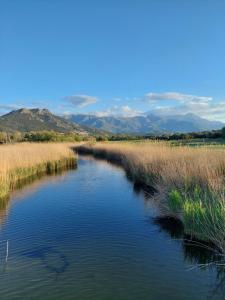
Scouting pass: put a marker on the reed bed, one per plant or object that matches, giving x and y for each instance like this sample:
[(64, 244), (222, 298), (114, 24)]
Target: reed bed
[(189, 182), (20, 162)]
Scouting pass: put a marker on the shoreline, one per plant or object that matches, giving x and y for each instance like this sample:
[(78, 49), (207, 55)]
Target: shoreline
[(172, 202)]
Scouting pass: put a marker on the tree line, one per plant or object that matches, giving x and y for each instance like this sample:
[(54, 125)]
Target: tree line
[(53, 136), (214, 134), (42, 136)]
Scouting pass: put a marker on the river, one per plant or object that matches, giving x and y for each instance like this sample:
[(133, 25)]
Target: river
[(90, 234)]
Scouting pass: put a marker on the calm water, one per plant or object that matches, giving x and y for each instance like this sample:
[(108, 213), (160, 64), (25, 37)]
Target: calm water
[(88, 234)]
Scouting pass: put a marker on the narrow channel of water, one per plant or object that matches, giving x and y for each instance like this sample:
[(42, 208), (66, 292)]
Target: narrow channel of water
[(89, 235)]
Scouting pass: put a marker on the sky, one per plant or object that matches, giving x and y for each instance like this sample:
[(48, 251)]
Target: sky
[(113, 57)]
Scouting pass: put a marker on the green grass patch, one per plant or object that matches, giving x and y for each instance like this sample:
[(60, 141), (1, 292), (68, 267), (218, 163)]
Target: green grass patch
[(202, 213)]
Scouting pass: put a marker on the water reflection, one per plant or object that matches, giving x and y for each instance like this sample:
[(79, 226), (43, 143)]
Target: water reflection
[(26, 188), (4, 208), (200, 254)]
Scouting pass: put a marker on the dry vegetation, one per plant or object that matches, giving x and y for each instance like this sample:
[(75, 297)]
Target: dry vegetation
[(19, 162), (189, 181)]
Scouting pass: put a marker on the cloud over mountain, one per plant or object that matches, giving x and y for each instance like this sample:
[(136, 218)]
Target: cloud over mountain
[(122, 111), (174, 96), (170, 103)]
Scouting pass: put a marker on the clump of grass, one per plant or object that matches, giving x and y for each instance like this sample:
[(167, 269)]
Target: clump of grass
[(191, 180), (206, 218), (202, 213), (175, 201), (20, 162)]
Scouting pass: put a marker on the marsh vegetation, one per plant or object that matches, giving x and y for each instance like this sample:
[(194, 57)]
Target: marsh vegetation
[(189, 182), (20, 162)]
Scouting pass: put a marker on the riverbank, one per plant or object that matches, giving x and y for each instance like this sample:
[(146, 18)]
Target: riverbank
[(189, 182), (23, 162)]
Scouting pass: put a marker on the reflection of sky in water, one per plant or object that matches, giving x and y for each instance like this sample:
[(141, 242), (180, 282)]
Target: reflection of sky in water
[(89, 235), (27, 189)]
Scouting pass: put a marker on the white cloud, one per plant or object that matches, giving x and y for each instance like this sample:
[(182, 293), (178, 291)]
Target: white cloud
[(174, 96), (185, 103), (81, 100), (211, 110), (122, 111)]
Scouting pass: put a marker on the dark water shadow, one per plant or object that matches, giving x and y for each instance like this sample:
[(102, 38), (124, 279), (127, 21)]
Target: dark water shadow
[(200, 254), (53, 260)]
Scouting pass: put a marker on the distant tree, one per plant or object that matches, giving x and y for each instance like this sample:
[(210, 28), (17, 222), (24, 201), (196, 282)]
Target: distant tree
[(102, 138), (223, 132), (3, 137), (53, 136), (16, 137)]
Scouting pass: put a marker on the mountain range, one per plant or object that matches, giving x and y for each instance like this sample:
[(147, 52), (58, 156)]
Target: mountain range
[(146, 123), (26, 120)]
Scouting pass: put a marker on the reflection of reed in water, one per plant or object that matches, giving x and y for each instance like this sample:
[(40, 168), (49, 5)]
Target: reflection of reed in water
[(25, 188), (4, 208), (201, 255), (173, 227)]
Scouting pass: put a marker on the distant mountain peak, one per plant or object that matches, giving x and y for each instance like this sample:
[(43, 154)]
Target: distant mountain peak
[(40, 111), (37, 119), (150, 122), (22, 111)]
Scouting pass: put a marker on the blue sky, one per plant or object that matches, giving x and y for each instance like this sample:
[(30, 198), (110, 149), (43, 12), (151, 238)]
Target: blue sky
[(113, 56)]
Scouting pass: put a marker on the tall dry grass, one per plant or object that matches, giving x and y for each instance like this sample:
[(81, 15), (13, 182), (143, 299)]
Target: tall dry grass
[(21, 161), (190, 182)]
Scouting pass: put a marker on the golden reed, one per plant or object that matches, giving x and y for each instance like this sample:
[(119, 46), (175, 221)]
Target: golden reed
[(190, 181), (21, 161)]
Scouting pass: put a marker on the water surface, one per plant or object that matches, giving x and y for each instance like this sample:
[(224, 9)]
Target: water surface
[(88, 234)]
